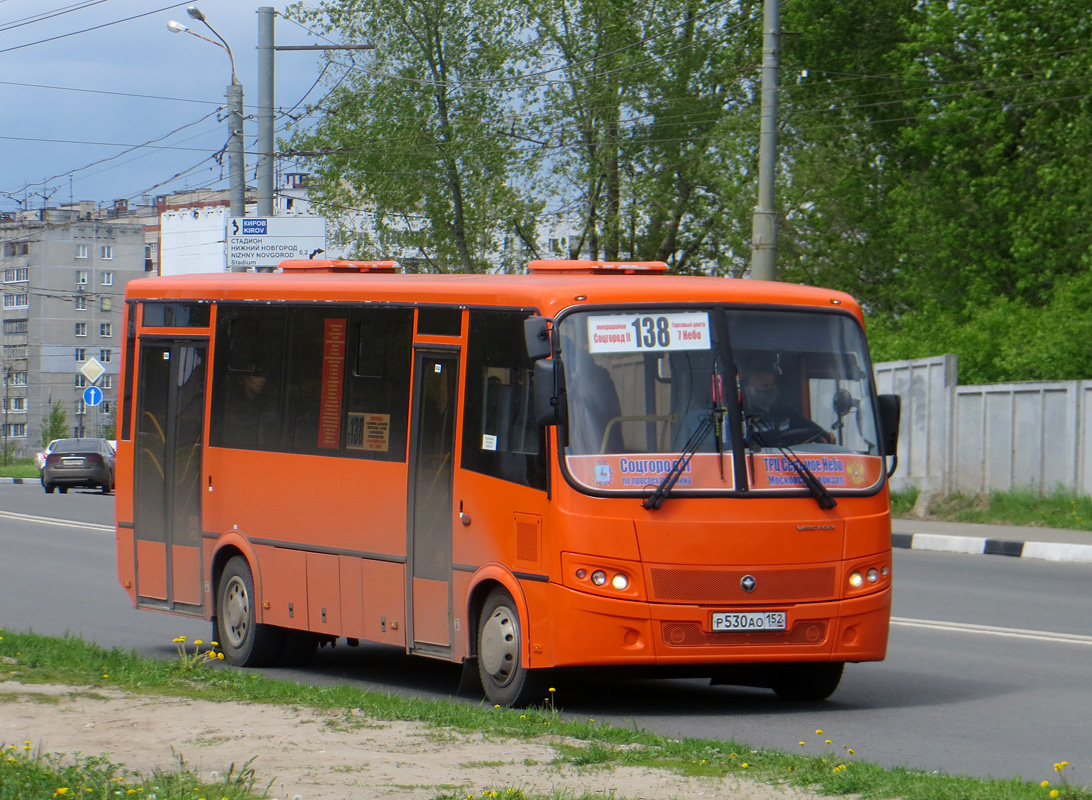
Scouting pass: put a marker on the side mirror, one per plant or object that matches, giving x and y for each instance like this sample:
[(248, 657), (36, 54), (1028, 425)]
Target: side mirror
[(536, 335), (890, 407), (546, 400)]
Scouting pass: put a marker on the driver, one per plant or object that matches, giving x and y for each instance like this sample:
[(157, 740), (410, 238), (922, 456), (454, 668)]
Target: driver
[(772, 420)]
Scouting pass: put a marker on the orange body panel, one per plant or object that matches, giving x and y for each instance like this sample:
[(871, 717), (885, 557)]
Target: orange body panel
[(326, 536)]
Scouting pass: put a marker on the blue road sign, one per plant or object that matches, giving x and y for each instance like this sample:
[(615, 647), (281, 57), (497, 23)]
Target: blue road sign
[(92, 395)]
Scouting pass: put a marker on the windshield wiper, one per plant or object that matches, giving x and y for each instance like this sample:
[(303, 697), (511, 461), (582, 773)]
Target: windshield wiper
[(660, 493), (820, 492)]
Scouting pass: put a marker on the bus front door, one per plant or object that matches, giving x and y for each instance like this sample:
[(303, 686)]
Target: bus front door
[(167, 474), (429, 506)]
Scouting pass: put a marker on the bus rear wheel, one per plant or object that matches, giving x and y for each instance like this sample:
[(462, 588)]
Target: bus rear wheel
[(245, 643), (505, 680), (807, 683)]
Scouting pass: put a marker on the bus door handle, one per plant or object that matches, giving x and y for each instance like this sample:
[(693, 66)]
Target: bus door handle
[(463, 516)]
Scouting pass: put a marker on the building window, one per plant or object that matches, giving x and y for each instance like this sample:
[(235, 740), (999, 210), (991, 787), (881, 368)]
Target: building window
[(104, 355), (106, 329), (15, 326), (81, 302), (15, 351), (17, 404), (81, 354), (107, 252), (107, 381), (81, 381), (105, 406), (107, 278), (16, 300), (81, 252), (81, 407), (17, 379), (81, 328), (79, 431), (106, 304), (17, 275), (16, 430), (81, 277)]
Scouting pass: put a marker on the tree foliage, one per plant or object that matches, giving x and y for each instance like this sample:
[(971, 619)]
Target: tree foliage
[(54, 424), (933, 153), (416, 139)]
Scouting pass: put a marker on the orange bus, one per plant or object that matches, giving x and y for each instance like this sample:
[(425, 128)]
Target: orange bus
[(591, 465)]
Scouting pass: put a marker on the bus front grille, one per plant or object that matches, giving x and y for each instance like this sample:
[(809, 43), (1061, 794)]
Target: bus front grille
[(704, 585)]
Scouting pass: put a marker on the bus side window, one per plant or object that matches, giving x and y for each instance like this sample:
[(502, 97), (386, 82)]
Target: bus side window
[(500, 437), (380, 351), (247, 378)]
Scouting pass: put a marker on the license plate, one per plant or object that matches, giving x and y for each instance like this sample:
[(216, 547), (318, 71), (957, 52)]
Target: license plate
[(72, 462), (749, 621)]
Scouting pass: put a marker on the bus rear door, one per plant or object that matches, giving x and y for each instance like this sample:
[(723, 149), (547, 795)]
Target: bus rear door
[(429, 506), (168, 474)]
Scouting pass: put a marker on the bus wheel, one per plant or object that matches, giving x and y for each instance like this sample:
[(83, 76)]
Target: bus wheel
[(245, 643), (505, 680), (806, 682)]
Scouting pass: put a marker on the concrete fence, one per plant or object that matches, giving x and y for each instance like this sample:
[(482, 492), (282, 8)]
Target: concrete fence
[(971, 439)]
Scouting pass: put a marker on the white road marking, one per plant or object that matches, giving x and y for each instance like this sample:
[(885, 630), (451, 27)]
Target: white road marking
[(63, 523), (992, 630)]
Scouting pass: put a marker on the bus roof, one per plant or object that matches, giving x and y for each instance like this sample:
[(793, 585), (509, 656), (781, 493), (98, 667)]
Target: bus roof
[(550, 293)]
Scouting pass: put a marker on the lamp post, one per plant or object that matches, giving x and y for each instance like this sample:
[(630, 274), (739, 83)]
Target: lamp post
[(235, 112)]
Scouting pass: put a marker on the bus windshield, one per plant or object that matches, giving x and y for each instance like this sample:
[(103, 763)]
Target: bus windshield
[(769, 384)]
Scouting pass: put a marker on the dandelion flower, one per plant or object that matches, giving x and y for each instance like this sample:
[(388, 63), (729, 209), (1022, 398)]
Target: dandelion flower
[(1045, 784), (745, 765), (803, 743), (1054, 792), (829, 741), (820, 731), (197, 642)]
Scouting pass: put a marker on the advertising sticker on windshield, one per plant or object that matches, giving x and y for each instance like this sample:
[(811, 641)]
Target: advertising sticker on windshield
[(649, 333)]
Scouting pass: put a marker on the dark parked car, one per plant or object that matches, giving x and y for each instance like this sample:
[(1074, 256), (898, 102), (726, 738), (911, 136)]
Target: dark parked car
[(79, 462)]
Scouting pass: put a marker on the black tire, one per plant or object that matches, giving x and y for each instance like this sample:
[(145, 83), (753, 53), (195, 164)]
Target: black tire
[(105, 489), (505, 681), (245, 643), (806, 683), (63, 489), (49, 487)]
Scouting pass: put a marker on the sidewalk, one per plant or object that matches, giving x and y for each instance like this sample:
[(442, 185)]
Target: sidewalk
[(1051, 544)]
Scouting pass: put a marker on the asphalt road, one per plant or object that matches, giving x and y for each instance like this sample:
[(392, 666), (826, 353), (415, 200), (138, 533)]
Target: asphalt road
[(989, 669)]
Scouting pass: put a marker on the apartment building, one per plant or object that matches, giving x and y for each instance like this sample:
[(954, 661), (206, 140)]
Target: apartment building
[(64, 274)]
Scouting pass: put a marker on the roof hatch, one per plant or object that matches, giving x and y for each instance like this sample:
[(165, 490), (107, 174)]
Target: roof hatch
[(577, 267), (330, 265)]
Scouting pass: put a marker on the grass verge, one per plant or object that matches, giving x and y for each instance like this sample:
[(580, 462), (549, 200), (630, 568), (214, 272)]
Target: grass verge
[(19, 468), (825, 767), (1058, 509)]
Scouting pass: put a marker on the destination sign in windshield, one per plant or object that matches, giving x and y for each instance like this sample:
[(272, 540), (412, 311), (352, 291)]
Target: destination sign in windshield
[(648, 333)]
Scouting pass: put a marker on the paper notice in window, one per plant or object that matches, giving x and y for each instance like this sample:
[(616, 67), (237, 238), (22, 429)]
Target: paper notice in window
[(368, 432)]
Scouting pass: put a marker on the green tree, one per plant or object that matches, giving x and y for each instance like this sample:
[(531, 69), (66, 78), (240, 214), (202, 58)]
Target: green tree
[(54, 425), (421, 139)]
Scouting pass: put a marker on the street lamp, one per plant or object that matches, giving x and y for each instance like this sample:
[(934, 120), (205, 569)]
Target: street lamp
[(235, 111)]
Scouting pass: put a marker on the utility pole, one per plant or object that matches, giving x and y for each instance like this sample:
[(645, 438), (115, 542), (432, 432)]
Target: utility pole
[(266, 50), (764, 227), (7, 404)]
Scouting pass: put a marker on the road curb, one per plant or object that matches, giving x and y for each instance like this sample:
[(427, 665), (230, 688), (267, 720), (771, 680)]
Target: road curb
[(18, 480), (977, 545)]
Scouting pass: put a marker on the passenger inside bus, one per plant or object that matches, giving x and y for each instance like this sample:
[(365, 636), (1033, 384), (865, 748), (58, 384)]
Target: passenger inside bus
[(775, 421), (250, 418)]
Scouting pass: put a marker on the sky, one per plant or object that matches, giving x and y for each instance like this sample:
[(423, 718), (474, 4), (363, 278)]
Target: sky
[(102, 102)]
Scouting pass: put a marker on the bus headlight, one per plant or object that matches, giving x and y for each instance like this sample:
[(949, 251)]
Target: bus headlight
[(856, 580), (620, 582), (872, 575), (599, 577)]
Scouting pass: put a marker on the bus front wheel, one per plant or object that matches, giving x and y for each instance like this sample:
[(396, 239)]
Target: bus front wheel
[(245, 643), (505, 680), (806, 682)]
